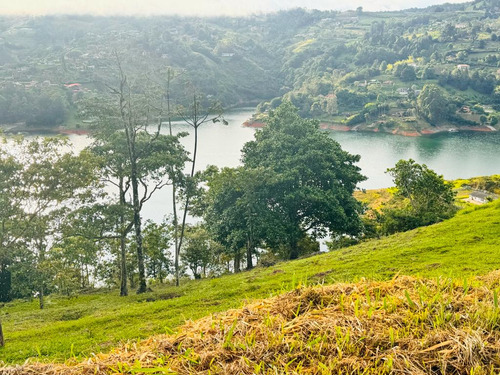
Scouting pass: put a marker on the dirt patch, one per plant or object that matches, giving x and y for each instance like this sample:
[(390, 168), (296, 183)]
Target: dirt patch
[(322, 275), (161, 297)]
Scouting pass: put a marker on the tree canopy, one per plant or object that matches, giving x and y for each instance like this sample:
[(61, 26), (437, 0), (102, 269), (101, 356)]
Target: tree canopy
[(427, 198), (311, 181)]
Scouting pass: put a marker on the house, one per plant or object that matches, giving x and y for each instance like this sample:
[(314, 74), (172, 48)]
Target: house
[(481, 197), (403, 92), (360, 84), (463, 67)]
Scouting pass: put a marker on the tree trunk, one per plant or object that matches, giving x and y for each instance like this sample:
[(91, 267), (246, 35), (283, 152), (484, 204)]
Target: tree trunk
[(294, 250), (174, 190), (123, 244), (40, 298), (2, 341), (237, 262), (131, 280), (138, 232), (123, 267), (249, 254), (176, 235), (186, 206)]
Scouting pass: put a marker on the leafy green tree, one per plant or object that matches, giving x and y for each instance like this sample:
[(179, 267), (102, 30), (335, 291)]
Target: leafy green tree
[(235, 212), (47, 184), (11, 214), (427, 198), (408, 74), (198, 252), (156, 243), (433, 104), (312, 179), (114, 218)]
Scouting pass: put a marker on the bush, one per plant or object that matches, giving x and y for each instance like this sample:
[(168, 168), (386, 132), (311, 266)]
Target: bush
[(268, 259)]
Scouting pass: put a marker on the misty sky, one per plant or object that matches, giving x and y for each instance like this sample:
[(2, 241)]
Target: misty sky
[(197, 7)]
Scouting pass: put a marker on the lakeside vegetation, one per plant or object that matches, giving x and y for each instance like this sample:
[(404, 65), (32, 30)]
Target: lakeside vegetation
[(460, 248)]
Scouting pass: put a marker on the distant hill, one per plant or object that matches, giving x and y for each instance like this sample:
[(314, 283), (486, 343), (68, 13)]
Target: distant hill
[(361, 70)]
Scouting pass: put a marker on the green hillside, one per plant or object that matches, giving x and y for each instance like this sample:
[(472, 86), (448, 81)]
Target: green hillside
[(468, 244), (364, 71)]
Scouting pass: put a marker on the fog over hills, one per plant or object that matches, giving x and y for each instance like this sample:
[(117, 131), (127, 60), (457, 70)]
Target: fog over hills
[(197, 7)]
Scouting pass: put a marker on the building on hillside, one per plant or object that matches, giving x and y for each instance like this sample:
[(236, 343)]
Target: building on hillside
[(463, 67), (403, 91), (482, 197)]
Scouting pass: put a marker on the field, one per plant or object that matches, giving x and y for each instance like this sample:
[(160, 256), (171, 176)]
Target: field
[(460, 248), (405, 325)]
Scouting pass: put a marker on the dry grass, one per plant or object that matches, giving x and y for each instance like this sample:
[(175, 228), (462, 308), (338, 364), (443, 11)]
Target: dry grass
[(404, 326)]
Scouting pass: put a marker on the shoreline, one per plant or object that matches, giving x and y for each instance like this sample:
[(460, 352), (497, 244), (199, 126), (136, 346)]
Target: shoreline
[(406, 133), (16, 129)]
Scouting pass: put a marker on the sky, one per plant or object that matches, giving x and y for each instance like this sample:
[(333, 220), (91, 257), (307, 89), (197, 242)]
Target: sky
[(196, 7)]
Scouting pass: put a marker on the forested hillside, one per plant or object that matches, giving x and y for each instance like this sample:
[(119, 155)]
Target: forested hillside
[(357, 70)]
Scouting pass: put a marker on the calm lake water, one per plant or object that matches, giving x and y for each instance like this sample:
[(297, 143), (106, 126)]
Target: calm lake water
[(454, 155)]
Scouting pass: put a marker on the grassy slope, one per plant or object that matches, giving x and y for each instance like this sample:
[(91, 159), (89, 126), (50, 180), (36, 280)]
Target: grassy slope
[(406, 325), (468, 244)]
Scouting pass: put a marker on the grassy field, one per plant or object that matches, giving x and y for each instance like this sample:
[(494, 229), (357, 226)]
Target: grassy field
[(406, 325), (466, 245)]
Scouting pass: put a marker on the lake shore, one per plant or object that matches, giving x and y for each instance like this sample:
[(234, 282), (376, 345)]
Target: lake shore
[(380, 129), (23, 129)]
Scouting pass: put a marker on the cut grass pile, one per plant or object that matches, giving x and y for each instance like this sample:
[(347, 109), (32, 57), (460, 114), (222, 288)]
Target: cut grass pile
[(467, 245), (406, 325)]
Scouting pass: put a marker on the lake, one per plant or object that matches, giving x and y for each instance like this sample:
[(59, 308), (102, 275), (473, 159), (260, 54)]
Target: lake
[(454, 155)]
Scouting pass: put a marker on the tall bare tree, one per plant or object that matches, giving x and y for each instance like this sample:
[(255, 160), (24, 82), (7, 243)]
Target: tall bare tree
[(135, 114), (199, 111)]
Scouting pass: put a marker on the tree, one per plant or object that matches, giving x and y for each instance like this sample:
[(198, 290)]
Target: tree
[(198, 252), (156, 244), (433, 105), (428, 198), (312, 180), (234, 210), (408, 74), (54, 183), (153, 160), (195, 115), (11, 214), (115, 218), (47, 183)]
